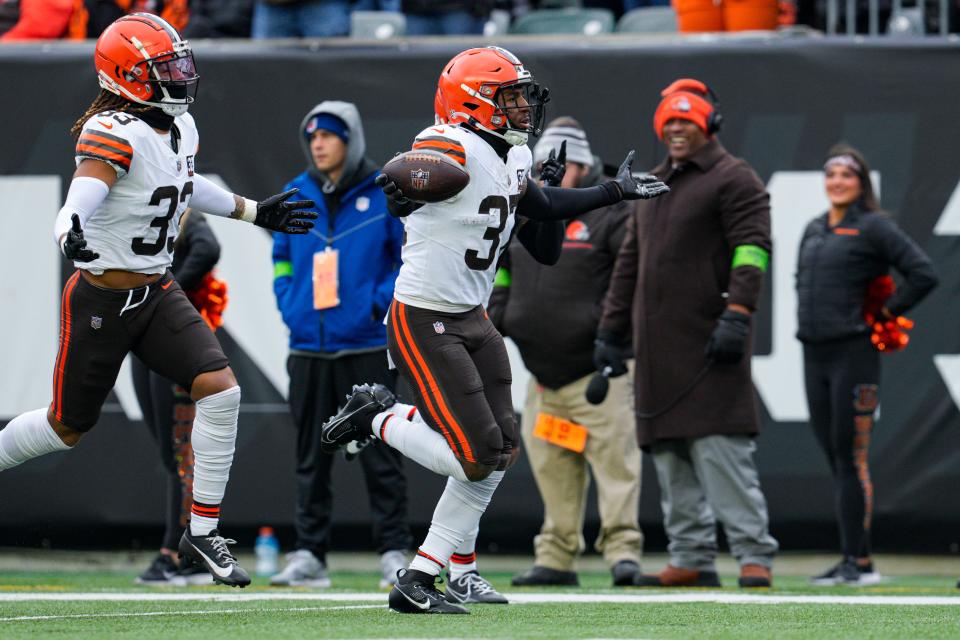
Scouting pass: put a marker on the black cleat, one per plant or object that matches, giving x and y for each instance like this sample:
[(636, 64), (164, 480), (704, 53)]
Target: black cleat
[(160, 572), (624, 573), (352, 422), (211, 551), (415, 593), (473, 588)]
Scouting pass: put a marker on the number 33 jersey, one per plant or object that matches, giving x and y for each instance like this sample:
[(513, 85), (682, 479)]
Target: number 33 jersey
[(451, 248), (135, 227)]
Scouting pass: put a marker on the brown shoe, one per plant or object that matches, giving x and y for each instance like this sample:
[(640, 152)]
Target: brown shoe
[(672, 576), (755, 575)]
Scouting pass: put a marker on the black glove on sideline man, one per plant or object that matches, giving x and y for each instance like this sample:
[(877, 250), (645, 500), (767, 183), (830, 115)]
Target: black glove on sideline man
[(398, 205), (278, 214), (729, 340), (75, 246), (637, 188), (609, 351)]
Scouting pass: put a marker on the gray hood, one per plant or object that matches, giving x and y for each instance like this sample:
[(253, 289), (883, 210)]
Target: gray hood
[(356, 147)]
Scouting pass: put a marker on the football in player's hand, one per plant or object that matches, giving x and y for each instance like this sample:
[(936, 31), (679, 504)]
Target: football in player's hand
[(427, 176)]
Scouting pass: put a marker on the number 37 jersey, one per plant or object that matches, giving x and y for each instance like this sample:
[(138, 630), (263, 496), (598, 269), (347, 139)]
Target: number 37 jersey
[(451, 248), (135, 227)]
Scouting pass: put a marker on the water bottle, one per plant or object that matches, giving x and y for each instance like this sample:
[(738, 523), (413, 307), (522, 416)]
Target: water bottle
[(267, 551)]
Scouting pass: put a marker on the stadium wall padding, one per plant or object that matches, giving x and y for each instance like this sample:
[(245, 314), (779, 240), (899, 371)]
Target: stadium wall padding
[(785, 101)]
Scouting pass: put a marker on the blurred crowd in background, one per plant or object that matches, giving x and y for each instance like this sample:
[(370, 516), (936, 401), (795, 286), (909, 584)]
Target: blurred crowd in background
[(382, 19)]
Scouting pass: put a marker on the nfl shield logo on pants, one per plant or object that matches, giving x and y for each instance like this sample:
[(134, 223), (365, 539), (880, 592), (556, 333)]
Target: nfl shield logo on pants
[(438, 327), (96, 322)]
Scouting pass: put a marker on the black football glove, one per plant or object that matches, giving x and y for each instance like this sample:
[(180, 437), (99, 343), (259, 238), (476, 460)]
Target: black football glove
[(75, 246), (278, 214), (554, 167), (729, 340), (609, 350), (398, 205), (637, 188)]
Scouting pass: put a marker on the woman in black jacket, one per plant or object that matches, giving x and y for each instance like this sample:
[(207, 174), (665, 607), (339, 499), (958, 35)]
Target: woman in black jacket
[(842, 253)]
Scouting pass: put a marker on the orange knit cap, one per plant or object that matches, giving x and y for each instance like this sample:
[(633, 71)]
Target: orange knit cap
[(680, 101)]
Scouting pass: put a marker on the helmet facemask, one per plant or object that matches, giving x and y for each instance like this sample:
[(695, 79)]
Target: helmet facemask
[(171, 77), (521, 108)]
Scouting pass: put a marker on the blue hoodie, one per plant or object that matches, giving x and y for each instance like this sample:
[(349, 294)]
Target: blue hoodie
[(367, 238)]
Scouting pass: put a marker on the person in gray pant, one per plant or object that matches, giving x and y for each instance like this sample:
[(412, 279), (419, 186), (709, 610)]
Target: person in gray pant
[(686, 281)]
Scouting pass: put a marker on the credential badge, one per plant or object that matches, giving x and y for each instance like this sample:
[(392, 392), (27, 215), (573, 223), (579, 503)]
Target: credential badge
[(438, 327)]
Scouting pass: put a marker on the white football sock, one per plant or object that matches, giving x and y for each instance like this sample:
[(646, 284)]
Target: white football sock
[(419, 442), (406, 411), (27, 436), (457, 515), (214, 437), (464, 559)]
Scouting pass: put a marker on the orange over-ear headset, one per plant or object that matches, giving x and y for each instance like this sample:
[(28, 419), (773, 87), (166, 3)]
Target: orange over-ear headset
[(689, 99)]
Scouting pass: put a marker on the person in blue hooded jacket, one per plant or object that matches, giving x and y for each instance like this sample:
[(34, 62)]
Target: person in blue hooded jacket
[(333, 287)]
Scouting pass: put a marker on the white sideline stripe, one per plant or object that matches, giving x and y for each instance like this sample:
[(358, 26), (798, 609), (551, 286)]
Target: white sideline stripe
[(515, 598), (183, 613)]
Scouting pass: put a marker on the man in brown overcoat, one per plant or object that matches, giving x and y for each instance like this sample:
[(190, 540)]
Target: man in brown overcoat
[(687, 280)]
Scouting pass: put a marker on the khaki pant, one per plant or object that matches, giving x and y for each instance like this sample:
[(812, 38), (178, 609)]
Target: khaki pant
[(562, 478)]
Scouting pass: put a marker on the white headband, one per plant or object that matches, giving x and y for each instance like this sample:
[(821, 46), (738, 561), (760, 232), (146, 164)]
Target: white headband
[(845, 160)]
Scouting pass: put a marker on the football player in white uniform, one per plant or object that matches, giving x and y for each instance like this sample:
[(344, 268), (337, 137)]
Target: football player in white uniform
[(135, 177), (438, 331)]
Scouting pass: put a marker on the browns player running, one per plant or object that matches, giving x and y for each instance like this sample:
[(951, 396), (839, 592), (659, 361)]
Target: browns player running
[(134, 179), (439, 334)]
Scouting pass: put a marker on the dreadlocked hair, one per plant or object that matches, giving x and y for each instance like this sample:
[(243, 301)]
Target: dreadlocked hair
[(106, 101)]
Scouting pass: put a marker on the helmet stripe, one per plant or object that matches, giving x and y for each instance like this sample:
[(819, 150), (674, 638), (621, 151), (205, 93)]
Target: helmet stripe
[(160, 22)]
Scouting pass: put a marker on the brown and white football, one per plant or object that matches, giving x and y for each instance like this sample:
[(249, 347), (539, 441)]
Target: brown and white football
[(427, 176)]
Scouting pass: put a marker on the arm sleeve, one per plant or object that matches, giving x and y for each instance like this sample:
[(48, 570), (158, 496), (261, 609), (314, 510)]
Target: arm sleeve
[(618, 303), (543, 240), (282, 267), (210, 198), (84, 197), (745, 218), (202, 253), (554, 203), (900, 251)]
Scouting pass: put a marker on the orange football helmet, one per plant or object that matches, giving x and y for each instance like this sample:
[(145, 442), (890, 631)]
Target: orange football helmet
[(142, 58), (488, 88)]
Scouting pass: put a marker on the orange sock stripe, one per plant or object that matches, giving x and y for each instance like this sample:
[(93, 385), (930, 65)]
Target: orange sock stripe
[(429, 557), (395, 326), (65, 324), (458, 558), (383, 427), (462, 442), (411, 413), (206, 511)]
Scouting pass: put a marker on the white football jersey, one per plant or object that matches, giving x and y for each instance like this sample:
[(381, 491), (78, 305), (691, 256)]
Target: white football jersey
[(451, 248), (135, 227)]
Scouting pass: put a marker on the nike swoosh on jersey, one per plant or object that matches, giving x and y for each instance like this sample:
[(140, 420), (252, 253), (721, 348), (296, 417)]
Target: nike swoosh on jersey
[(213, 566), (166, 286), (108, 125)]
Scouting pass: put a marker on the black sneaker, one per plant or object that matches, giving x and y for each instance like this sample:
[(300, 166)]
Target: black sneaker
[(844, 572), (624, 573), (160, 572), (211, 552), (352, 422), (415, 593), (473, 588), (538, 576)]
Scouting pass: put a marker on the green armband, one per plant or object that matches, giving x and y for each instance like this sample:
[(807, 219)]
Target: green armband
[(281, 269), (750, 255), (502, 279)]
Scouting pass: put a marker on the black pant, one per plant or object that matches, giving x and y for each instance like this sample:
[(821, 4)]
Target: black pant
[(318, 387), (842, 379), (168, 413)]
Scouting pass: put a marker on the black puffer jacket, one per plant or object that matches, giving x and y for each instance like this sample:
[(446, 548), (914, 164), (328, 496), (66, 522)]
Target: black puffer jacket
[(836, 266)]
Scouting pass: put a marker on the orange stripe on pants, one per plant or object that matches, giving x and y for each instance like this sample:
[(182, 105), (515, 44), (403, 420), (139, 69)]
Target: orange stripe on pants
[(65, 321), (435, 388)]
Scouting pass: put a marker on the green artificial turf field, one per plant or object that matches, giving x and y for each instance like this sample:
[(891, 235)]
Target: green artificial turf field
[(106, 604)]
